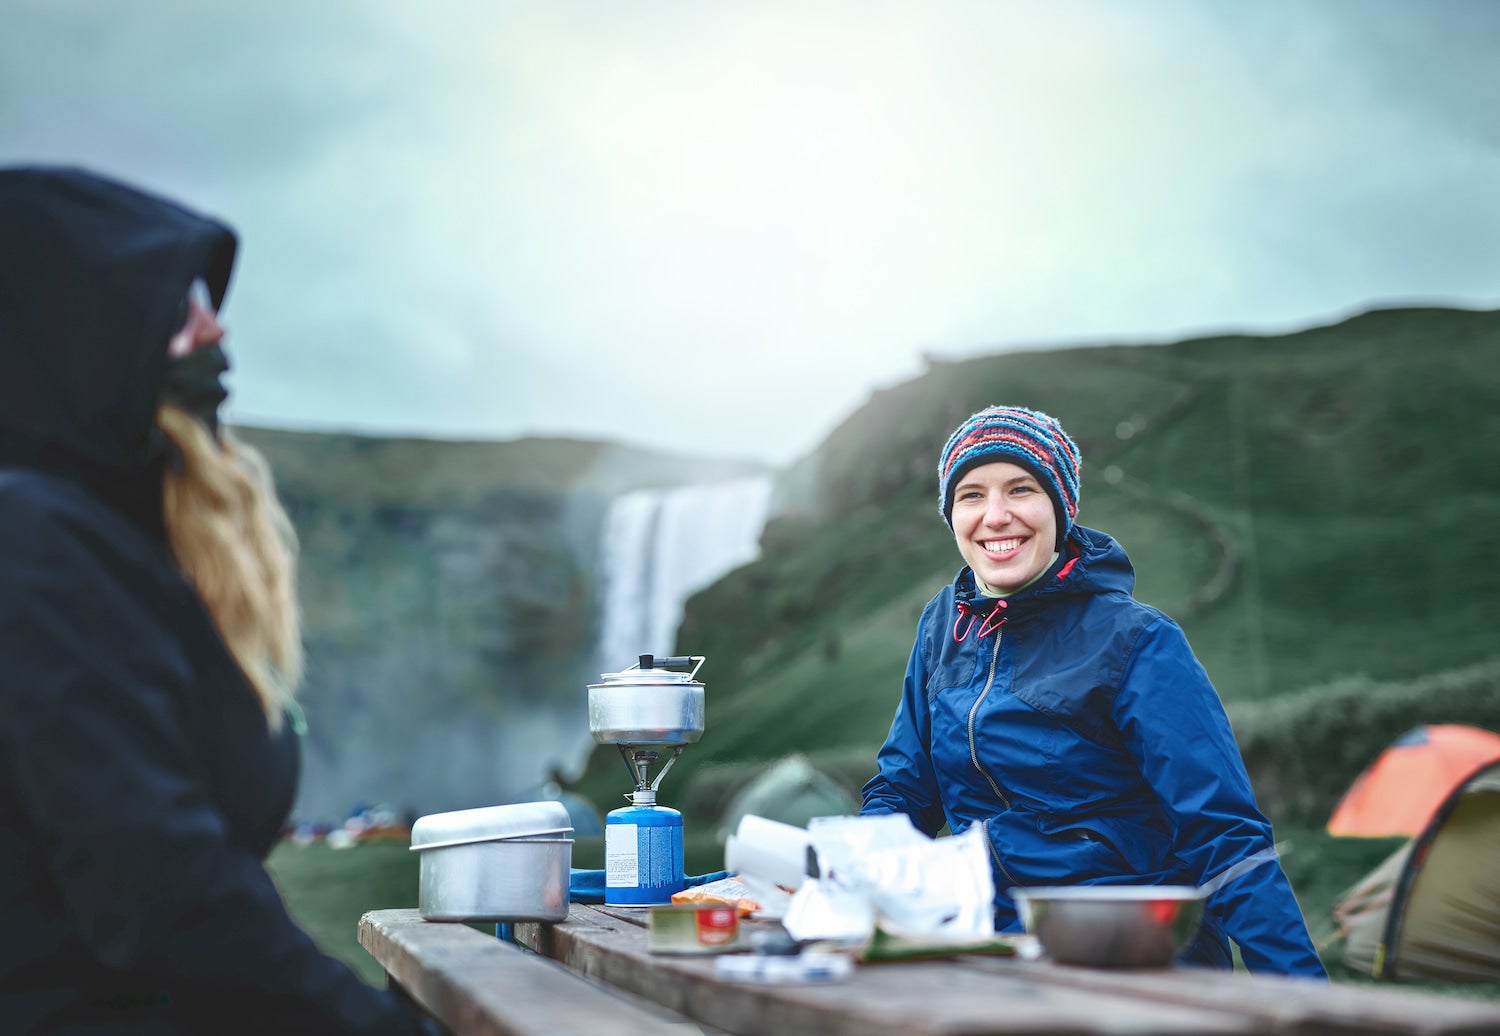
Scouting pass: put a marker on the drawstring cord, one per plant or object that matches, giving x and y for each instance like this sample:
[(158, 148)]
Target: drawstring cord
[(991, 622), (988, 626), (963, 609)]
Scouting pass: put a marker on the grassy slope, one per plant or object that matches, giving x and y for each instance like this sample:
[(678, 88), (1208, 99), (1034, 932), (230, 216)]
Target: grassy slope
[(1349, 468)]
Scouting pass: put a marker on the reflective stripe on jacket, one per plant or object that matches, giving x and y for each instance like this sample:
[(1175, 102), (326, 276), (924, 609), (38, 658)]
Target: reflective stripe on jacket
[(1079, 728)]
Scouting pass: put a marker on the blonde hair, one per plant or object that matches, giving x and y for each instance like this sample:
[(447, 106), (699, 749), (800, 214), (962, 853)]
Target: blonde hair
[(233, 540)]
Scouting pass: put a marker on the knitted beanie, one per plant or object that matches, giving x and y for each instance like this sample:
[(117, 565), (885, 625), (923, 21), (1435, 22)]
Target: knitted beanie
[(1028, 438)]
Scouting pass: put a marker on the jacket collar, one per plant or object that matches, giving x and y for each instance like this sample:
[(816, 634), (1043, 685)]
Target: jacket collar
[(1091, 562)]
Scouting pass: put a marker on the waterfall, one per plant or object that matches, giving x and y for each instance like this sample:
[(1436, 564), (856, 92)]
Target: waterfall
[(661, 546)]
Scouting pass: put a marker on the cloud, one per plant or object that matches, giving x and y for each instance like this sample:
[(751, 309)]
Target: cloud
[(719, 227)]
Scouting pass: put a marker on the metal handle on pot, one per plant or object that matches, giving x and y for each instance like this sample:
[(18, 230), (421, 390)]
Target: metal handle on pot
[(672, 662)]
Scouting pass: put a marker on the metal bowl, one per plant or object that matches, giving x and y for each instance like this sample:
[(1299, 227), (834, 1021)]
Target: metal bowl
[(646, 707), (1112, 926)]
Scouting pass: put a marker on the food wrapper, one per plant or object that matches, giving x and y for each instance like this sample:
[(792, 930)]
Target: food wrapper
[(879, 871), (729, 891), (940, 889), (827, 912)]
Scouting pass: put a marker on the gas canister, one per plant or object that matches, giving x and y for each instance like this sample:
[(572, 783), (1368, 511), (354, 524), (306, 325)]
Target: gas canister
[(642, 853)]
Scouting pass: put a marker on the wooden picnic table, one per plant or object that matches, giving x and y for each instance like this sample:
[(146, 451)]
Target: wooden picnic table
[(593, 974)]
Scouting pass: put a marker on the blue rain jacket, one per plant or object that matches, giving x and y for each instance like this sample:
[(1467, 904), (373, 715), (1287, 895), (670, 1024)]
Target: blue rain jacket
[(1077, 726)]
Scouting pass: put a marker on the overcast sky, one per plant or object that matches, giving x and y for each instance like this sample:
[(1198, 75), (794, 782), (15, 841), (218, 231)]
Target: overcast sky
[(717, 227)]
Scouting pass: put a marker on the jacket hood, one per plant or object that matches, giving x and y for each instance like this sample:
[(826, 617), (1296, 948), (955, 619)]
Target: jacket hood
[(93, 274), (1101, 565)]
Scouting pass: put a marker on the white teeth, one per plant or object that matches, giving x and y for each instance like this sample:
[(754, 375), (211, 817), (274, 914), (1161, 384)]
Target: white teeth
[(1000, 546)]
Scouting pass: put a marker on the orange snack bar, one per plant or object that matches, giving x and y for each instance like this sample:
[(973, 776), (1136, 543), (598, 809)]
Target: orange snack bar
[(725, 891)]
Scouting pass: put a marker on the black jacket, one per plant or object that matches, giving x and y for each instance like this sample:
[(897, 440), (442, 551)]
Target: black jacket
[(140, 786)]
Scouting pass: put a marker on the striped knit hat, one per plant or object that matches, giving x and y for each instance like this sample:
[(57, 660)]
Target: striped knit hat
[(1028, 438)]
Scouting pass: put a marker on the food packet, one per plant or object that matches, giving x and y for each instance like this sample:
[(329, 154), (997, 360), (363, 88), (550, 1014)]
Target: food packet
[(942, 889), (729, 891), (881, 870)]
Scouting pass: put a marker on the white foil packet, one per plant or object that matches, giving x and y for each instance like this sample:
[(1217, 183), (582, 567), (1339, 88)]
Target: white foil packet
[(881, 870), (941, 890)]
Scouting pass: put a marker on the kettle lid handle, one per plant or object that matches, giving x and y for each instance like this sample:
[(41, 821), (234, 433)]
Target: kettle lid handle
[(672, 662)]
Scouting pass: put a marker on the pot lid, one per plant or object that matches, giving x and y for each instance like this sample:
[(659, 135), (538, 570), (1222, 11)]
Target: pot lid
[(652, 669), (491, 824)]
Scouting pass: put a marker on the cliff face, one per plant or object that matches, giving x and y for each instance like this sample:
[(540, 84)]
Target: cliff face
[(450, 595)]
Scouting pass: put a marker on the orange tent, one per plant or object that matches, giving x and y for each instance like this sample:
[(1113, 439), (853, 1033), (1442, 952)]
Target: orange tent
[(1399, 792)]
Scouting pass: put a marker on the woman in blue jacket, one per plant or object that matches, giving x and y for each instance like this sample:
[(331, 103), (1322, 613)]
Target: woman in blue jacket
[(1044, 702)]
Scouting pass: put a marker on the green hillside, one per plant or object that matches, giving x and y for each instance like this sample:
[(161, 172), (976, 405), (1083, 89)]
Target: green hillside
[(1312, 507)]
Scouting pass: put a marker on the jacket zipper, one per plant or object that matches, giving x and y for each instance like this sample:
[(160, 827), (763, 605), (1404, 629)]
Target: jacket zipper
[(974, 752)]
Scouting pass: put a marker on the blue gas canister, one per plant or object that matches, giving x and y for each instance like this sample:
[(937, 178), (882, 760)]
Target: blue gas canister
[(642, 852)]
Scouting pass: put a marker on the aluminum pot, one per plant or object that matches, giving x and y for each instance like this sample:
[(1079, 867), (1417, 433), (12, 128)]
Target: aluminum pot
[(648, 704), (497, 863)]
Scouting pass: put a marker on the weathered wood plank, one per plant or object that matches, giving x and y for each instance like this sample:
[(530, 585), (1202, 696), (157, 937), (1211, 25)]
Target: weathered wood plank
[(1287, 1005), (479, 986), (474, 983), (903, 999)]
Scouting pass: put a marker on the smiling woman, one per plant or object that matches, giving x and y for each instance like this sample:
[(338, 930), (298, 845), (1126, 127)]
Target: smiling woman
[(1004, 526), (1044, 702)]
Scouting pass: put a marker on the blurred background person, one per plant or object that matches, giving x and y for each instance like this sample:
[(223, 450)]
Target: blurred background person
[(149, 642)]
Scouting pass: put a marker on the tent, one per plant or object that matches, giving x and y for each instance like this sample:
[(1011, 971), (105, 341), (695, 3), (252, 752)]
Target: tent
[(792, 791), (1399, 792), (1432, 909)]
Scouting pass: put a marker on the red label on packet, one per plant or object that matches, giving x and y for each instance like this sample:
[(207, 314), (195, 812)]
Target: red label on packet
[(717, 925), (712, 928)]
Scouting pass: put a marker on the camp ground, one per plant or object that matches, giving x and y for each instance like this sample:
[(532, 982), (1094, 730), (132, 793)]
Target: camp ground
[(1431, 910)]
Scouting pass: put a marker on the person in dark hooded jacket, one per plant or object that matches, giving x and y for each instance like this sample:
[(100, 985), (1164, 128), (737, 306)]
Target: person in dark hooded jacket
[(148, 643), (1044, 702)]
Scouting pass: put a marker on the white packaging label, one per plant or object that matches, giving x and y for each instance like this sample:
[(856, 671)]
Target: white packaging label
[(621, 856)]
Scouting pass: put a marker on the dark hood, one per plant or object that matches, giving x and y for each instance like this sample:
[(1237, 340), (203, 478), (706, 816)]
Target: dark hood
[(92, 278)]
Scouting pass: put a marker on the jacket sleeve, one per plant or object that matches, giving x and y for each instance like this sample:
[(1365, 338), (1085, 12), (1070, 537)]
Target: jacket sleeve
[(96, 755), (1173, 723), (905, 781)]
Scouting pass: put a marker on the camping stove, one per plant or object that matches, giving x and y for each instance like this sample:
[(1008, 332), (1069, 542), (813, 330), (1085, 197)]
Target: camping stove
[(650, 713)]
